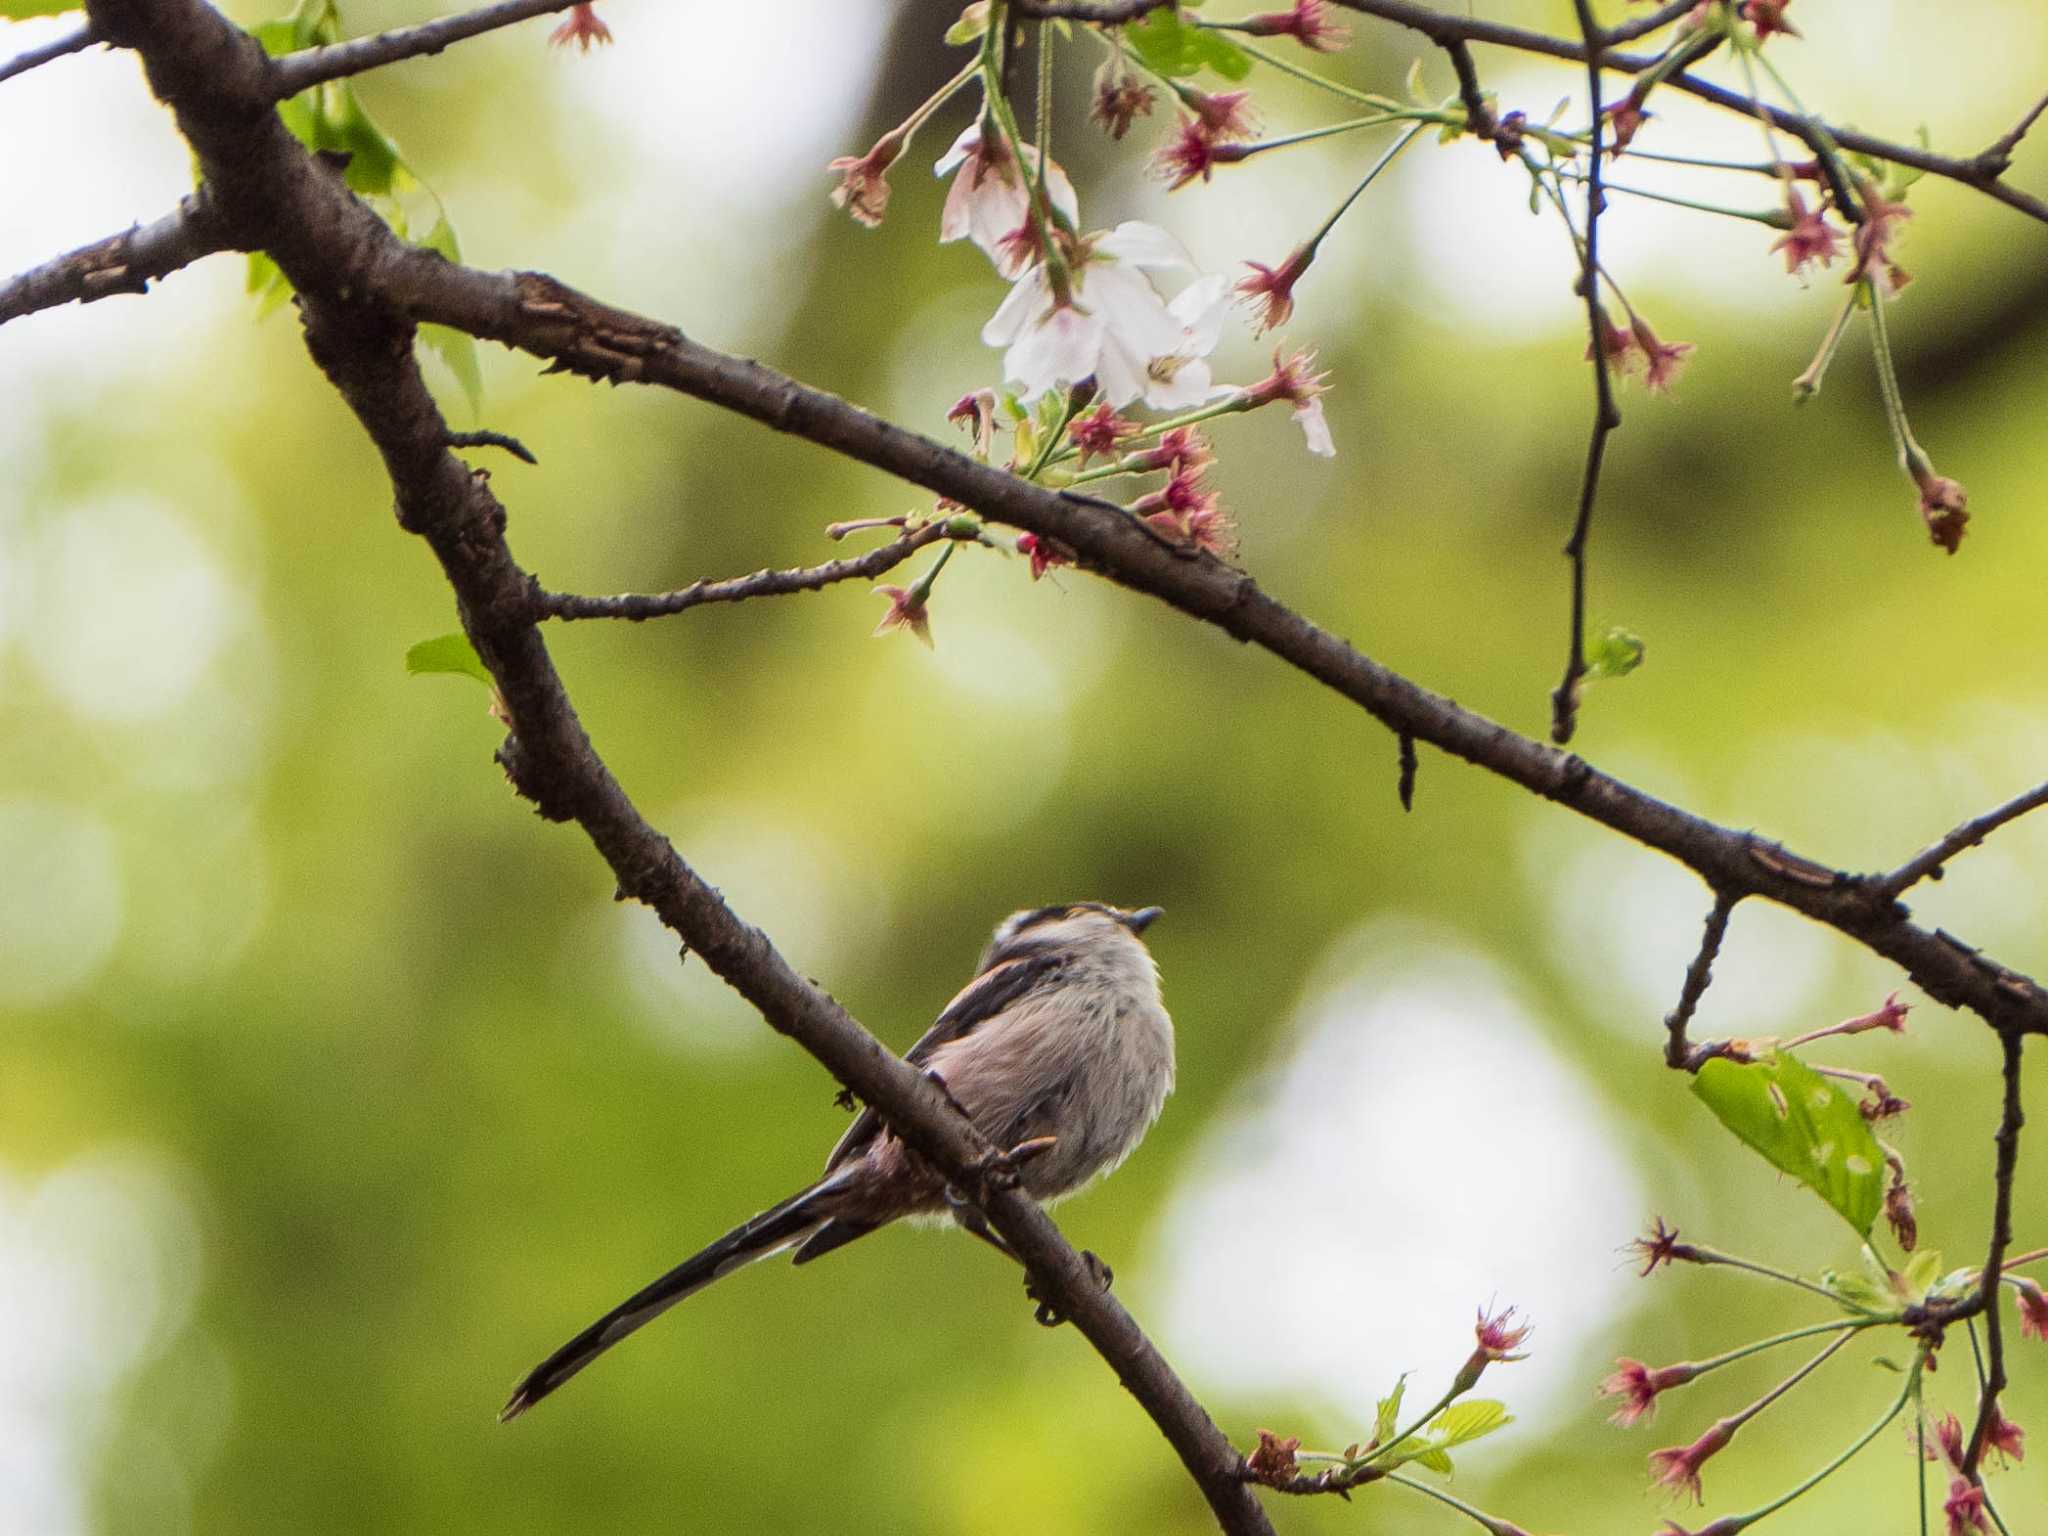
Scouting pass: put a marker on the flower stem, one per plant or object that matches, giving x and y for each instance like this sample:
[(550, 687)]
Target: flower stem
[(1467, 1510), (1912, 1387), (1807, 385), (1379, 165), (1416, 115), (1373, 1455), (1743, 1352), (1920, 1445), (1714, 1256), (1323, 82), (1776, 218), (1912, 457)]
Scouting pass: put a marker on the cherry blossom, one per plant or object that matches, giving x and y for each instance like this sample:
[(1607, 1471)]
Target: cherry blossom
[(990, 200), (1109, 322)]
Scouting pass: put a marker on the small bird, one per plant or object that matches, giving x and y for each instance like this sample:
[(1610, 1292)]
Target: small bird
[(1060, 1047)]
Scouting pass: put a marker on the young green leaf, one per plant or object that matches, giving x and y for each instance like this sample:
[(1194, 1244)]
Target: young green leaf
[(1803, 1125), (1389, 1412), (452, 654), (1615, 654), (1432, 1458), (21, 10), (1468, 1420), (973, 23)]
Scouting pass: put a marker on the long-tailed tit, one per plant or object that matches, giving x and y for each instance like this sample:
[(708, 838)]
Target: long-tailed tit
[(1061, 1034)]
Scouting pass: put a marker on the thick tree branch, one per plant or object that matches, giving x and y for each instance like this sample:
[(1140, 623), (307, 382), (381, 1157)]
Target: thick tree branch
[(301, 212), (123, 263), (539, 315), (1927, 864), (296, 71), (71, 42), (737, 589)]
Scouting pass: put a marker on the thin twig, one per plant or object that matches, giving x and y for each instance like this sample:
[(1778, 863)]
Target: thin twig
[(1103, 12), (125, 263), (292, 73), (1678, 1054), (1927, 864), (1438, 26), (2010, 1119), (1664, 15), (1564, 699), (1998, 155), (1478, 116), (637, 606), (75, 41), (1405, 785), (482, 438)]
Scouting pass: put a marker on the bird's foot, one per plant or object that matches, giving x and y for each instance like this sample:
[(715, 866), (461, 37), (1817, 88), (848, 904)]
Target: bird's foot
[(1047, 1314)]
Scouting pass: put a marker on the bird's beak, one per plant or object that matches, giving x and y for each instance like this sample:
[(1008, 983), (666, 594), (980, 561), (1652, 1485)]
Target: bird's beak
[(1143, 918)]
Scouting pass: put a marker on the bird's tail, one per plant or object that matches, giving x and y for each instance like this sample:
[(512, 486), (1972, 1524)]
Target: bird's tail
[(773, 1230)]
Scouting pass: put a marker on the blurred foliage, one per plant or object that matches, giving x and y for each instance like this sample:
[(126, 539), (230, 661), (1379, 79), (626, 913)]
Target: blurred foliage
[(431, 1100)]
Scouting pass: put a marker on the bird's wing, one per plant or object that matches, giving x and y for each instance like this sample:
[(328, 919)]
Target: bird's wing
[(994, 990)]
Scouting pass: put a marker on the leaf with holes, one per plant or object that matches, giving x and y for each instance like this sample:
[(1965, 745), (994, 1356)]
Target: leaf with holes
[(1803, 1125)]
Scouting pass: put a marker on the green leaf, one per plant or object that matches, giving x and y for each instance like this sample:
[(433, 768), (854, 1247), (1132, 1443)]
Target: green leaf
[(1802, 1124), (1167, 45), (1615, 654), (1413, 84), (1921, 1271), (457, 351), (1220, 54), (1467, 1421), (21, 10), (1432, 1458), (1160, 42), (972, 24), (451, 654), (1384, 1420), (1857, 1293)]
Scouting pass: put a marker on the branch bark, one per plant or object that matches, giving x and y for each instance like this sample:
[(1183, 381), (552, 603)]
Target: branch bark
[(125, 263), (300, 211)]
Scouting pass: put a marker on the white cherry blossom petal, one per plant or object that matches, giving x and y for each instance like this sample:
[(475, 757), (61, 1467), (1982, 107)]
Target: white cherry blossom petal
[(1030, 298), (1309, 416), (1145, 246)]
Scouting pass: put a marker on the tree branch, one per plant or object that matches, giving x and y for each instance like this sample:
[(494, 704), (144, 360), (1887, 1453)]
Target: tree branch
[(294, 72), (302, 213), (123, 263), (1927, 864), (1678, 1054), (1564, 699), (1441, 26), (638, 606), (537, 314), (2011, 1118), (71, 42)]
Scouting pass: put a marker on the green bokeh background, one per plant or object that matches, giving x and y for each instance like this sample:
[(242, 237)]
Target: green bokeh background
[(402, 1106)]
